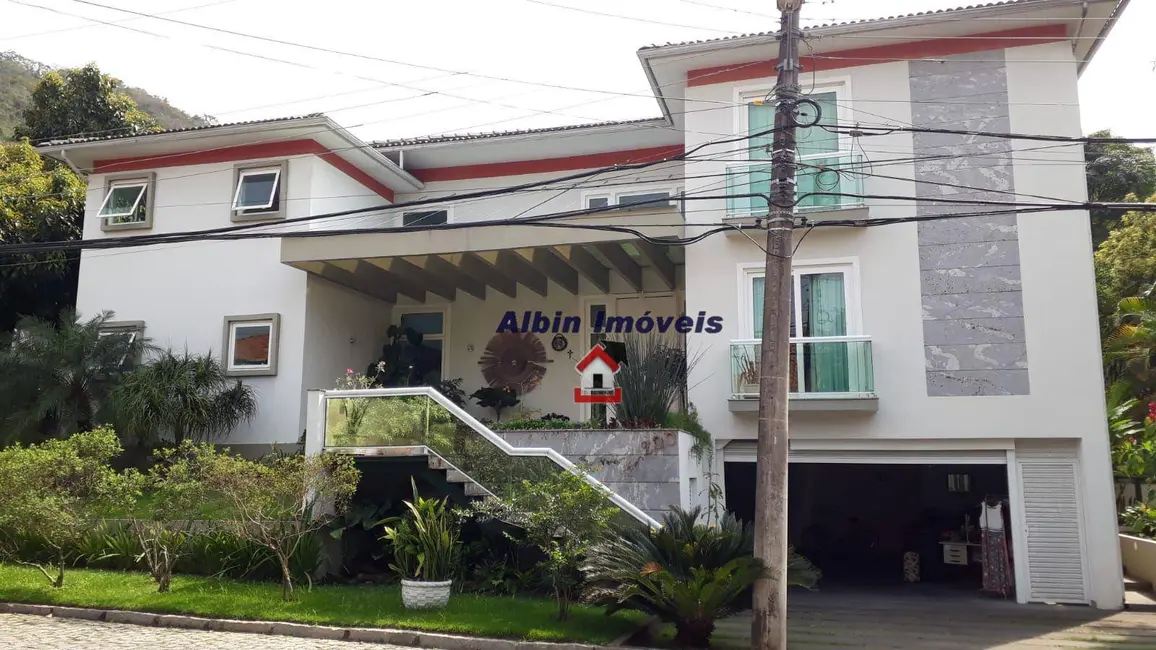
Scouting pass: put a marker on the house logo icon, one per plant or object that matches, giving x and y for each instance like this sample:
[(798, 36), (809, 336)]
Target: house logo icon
[(597, 369)]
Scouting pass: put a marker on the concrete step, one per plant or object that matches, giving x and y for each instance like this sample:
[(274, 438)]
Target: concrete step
[(455, 476), (1133, 584), (475, 490), (435, 462)]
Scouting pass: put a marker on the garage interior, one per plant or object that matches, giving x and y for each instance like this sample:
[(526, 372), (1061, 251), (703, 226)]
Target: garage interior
[(857, 522)]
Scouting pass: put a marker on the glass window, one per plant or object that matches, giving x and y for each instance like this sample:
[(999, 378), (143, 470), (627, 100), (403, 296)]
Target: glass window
[(128, 335), (125, 202), (258, 190), (823, 304), (598, 202), (646, 200), (425, 218), (428, 324), (251, 344), (809, 141)]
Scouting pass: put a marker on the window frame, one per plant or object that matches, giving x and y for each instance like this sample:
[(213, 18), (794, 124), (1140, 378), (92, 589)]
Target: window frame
[(447, 210), (112, 181), (444, 337), (838, 84), (133, 327), (848, 266), (280, 191), (614, 197), (231, 323)]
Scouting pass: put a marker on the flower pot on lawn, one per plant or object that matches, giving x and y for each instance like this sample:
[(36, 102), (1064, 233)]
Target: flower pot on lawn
[(419, 594)]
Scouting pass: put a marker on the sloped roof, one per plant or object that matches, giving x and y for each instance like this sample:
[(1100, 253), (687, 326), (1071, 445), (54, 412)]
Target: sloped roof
[(461, 137), (207, 127), (865, 21)]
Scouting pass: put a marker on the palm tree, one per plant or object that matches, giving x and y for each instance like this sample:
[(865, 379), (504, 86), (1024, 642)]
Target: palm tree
[(181, 397), (1130, 351), (56, 380)]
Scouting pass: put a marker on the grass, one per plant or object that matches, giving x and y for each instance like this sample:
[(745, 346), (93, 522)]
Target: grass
[(339, 605)]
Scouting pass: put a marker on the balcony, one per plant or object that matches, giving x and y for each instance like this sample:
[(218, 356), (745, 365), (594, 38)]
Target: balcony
[(837, 174), (831, 373)]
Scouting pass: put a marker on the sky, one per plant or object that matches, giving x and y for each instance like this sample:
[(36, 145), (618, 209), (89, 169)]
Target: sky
[(515, 45)]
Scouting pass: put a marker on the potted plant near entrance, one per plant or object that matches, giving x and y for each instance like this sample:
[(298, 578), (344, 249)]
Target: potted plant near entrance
[(426, 550)]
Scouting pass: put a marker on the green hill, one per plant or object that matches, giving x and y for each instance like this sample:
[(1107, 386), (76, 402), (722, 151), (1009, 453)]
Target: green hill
[(18, 76)]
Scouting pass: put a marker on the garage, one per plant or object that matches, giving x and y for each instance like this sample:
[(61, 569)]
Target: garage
[(910, 520)]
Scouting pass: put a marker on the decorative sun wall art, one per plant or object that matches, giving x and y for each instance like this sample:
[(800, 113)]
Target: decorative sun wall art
[(514, 360)]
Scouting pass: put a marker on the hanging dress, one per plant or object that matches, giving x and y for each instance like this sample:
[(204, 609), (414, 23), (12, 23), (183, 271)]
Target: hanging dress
[(997, 577)]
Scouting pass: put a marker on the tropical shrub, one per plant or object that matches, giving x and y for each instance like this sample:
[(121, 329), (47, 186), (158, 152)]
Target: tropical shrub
[(1130, 350), (1140, 519), (686, 573), (562, 515), (180, 397), (59, 491), (279, 503), (498, 398), (652, 379), (57, 380), (1133, 441), (426, 541)]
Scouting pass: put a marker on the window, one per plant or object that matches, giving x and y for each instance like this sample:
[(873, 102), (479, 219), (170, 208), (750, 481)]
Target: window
[(126, 203), (251, 344), (632, 199), (258, 192), (131, 334), (425, 218), (432, 326), (813, 141)]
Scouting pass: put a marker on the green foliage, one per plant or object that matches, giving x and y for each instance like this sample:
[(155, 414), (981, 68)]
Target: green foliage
[(1130, 351), (425, 541), (652, 378), (404, 360), (180, 397), (280, 502), (57, 380), (1116, 171), (81, 101), (452, 389), (562, 515), (59, 491), (1140, 519), (1126, 263), (497, 398), (42, 202), (686, 573), (340, 605)]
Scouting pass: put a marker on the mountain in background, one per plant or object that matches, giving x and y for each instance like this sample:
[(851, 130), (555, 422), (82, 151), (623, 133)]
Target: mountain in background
[(18, 76)]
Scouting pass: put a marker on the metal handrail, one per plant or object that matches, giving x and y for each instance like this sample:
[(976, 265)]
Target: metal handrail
[(810, 339), (495, 439)]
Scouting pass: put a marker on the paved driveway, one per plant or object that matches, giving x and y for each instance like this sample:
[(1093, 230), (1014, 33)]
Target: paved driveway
[(918, 621), (31, 632)]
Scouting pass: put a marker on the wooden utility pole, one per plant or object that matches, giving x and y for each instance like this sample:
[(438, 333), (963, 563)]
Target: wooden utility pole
[(769, 628)]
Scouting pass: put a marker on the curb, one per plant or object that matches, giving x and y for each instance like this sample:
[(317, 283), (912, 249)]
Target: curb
[(411, 638)]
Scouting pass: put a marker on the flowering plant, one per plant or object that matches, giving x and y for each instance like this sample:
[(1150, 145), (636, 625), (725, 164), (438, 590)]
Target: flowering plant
[(353, 408)]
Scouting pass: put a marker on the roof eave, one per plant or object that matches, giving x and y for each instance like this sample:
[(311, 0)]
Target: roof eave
[(532, 135), (52, 146), (1102, 36)]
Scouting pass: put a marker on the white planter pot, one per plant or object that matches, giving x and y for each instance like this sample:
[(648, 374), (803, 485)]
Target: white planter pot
[(416, 594)]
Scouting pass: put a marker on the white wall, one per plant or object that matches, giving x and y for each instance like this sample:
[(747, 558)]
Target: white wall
[(184, 291), (343, 329)]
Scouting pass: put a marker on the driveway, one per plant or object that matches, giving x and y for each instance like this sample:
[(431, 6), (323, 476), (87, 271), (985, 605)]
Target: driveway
[(919, 621), (31, 632)]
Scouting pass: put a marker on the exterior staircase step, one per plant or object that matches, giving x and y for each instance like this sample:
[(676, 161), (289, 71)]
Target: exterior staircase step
[(455, 476), (1132, 584), (475, 490), (435, 462)]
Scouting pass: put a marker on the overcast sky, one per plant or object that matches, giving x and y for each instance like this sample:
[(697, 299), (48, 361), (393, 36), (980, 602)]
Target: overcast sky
[(522, 40)]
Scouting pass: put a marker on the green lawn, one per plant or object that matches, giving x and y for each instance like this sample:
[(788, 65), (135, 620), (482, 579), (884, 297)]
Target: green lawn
[(359, 606)]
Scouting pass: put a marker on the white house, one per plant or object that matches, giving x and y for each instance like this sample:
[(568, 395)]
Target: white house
[(935, 362)]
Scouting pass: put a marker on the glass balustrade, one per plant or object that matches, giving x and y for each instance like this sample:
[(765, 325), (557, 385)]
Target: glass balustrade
[(820, 183), (836, 366)]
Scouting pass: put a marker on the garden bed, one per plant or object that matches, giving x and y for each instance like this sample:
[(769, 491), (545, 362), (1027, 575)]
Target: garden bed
[(342, 605)]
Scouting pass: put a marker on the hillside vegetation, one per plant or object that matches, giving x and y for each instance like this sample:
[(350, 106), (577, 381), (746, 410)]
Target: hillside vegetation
[(18, 76)]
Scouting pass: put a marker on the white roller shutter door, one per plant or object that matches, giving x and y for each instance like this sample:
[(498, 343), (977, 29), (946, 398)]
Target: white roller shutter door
[(1049, 484)]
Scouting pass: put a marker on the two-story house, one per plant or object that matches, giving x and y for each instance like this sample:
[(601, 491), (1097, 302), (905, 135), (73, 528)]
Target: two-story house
[(936, 361)]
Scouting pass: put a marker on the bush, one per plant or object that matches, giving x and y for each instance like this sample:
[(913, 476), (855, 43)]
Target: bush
[(426, 540), (1140, 519), (686, 573)]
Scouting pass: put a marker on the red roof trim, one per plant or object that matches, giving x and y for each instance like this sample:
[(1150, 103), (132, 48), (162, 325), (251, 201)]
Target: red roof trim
[(245, 152), (597, 352), (545, 165), (1020, 37)]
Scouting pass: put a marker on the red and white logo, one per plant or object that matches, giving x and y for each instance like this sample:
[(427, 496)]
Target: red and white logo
[(597, 387)]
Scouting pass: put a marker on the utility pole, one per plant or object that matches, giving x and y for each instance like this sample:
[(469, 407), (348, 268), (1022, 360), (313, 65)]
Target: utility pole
[(769, 628)]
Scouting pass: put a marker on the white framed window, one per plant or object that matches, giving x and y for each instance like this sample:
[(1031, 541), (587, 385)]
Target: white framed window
[(259, 191), (127, 202), (824, 299), (132, 331), (251, 343), (433, 325), (644, 198), (425, 218), (757, 115)]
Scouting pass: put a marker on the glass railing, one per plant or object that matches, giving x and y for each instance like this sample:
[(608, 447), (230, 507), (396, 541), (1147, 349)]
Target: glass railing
[(830, 366), (377, 420), (817, 180)]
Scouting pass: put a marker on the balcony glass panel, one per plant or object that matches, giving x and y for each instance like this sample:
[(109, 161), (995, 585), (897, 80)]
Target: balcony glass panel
[(835, 174), (835, 366)]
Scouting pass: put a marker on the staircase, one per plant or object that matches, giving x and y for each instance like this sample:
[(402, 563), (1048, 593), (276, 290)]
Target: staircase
[(420, 421)]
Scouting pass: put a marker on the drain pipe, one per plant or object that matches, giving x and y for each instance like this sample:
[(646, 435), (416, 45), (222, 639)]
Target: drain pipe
[(74, 168)]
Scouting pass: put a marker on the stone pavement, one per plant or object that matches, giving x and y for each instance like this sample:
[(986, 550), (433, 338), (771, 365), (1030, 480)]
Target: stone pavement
[(31, 632)]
